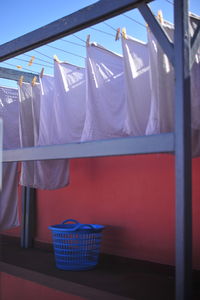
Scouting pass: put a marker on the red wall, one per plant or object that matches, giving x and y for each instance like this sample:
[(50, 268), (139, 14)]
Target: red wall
[(133, 196)]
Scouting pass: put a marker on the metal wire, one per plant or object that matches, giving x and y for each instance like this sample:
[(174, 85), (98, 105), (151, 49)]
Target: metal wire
[(40, 59), (99, 30), (73, 43), (78, 38), (108, 25), (43, 54), (27, 61), (134, 20), (64, 51), (12, 65)]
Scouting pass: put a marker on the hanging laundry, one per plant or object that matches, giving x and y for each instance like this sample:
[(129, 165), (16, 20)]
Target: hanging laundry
[(105, 96), (195, 80), (9, 112), (26, 132), (51, 174), (47, 122), (163, 94), (69, 102), (39, 174), (137, 84), (9, 197), (162, 91)]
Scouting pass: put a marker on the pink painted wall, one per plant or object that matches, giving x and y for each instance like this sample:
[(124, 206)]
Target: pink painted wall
[(133, 196)]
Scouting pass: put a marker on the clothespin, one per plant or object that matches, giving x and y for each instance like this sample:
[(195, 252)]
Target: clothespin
[(42, 73), (117, 34), (160, 17), (124, 33), (31, 61), (88, 40), (34, 81), (19, 67), (55, 57), (21, 78)]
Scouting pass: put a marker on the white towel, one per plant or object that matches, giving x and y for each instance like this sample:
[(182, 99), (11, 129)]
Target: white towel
[(137, 85), (105, 96)]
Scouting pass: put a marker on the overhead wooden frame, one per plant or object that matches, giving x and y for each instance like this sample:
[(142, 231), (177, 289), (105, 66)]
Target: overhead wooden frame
[(12, 74)]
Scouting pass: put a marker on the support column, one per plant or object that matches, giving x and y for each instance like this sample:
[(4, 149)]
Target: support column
[(28, 217), (183, 152)]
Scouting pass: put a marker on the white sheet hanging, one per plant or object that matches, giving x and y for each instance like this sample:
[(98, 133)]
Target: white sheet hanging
[(137, 85), (69, 102), (9, 197), (105, 96), (51, 174), (9, 112), (162, 85), (47, 122), (38, 174), (195, 81), (162, 91), (26, 132)]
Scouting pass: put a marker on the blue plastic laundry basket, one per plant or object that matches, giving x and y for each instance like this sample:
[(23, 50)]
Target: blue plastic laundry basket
[(76, 246)]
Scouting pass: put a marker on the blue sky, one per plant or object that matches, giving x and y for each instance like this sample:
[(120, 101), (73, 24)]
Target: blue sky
[(20, 17)]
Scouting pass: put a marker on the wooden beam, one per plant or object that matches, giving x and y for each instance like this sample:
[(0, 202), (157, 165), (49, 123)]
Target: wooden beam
[(15, 74), (118, 146)]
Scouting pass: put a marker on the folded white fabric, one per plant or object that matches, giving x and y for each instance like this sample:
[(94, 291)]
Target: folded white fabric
[(137, 85), (105, 95), (9, 112), (39, 174)]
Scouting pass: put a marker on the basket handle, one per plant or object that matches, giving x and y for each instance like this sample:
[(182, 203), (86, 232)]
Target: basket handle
[(84, 226), (70, 220), (76, 224)]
